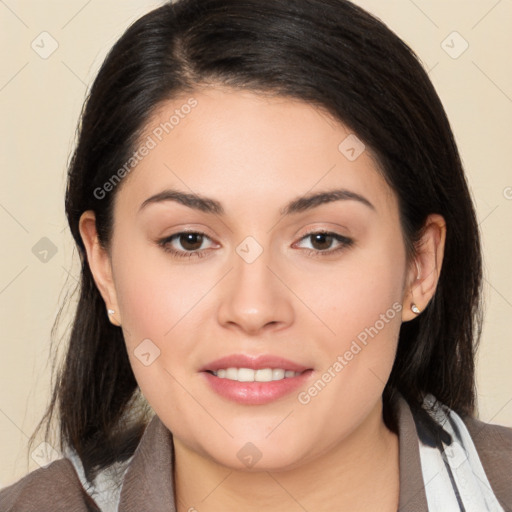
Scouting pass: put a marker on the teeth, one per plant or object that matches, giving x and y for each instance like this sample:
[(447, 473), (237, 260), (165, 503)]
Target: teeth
[(264, 375), (278, 374), (250, 375), (232, 374), (245, 375)]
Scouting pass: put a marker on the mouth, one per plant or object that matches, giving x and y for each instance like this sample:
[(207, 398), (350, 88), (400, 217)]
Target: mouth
[(254, 380), (250, 375)]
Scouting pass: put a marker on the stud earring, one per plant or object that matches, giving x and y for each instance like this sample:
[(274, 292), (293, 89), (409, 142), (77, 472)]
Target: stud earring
[(415, 309), (111, 318)]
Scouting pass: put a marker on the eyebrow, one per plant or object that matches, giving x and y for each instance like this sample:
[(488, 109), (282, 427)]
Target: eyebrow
[(300, 204)]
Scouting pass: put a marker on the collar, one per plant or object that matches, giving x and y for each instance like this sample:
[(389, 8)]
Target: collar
[(148, 482)]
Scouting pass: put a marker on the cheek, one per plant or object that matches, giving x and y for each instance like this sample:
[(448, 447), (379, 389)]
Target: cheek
[(363, 290), (162, 308), (154, 309), (154, 293), (361, 304), (143, 301)]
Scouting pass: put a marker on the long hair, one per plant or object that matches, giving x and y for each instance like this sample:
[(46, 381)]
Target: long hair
[(328, 53)]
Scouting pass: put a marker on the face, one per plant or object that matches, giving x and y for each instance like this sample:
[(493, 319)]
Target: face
[(252, 275)]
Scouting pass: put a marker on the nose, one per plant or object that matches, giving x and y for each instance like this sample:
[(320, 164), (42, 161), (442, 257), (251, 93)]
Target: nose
[(254, 297)]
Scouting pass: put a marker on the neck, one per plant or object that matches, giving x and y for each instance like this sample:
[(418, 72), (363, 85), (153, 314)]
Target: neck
[(360, 473)]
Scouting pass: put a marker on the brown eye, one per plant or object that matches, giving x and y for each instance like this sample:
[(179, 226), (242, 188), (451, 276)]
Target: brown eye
[(324, 243), (186, 244), (321, 241), (191, 241)]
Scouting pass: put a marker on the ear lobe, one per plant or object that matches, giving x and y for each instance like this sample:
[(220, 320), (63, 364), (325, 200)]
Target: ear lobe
[(425, 269), (99, 263)]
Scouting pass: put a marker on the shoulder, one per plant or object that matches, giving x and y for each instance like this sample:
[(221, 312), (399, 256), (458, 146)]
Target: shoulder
[(494, 446), (488, 435), (54, 488)]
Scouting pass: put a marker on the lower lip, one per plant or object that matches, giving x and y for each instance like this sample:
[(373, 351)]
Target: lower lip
[(256, 393)]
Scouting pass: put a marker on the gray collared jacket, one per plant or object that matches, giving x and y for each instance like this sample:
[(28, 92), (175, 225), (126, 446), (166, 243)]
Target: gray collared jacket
[(146, 484)]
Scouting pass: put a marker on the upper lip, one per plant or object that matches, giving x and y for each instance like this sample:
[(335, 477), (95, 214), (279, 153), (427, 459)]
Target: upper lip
[(254, 362)]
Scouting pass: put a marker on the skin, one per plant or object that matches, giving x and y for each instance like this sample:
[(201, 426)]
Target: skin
[(254, 154)]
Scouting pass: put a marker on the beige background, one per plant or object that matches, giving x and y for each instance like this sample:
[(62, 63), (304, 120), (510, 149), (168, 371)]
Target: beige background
[(40, 100)]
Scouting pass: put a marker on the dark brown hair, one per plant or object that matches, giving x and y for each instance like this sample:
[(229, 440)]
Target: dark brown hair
[(329, 53)]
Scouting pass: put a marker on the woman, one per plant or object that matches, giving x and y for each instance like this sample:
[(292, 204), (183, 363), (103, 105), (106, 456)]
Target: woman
[(281, 274)]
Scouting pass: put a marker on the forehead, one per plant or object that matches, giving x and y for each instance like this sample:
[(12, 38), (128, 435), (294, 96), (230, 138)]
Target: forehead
[(249, 150)]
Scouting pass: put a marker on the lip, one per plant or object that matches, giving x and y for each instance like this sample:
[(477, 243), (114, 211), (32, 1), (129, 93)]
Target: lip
[(254, 393)]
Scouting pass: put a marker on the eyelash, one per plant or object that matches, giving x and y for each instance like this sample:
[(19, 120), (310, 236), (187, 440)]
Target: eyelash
[(344, 241)]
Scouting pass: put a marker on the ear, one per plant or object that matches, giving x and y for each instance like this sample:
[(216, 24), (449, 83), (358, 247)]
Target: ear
[(100, 264), (424, 270)]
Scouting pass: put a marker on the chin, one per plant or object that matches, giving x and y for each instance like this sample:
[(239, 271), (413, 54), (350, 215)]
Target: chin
[(254, 456)]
